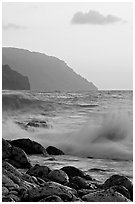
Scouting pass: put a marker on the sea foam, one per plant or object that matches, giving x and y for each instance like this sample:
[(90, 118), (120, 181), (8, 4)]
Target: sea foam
[(110, 140)]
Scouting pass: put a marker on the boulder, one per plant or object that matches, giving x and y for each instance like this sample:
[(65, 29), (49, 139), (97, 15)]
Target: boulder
[(39, 171), (119, 180), (37, 123), (16, 156), (58, 176), (54, 151), (53, 198), (19, 158), (72, 171), (78, 182), (29, 146), (49, 189), (122, 190), (105, 196)]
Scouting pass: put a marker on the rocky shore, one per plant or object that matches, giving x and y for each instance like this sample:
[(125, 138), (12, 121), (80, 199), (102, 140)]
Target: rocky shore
[(23, 182)]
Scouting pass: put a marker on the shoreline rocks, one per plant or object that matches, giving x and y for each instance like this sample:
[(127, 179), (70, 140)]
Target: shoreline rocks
[(68, 184)]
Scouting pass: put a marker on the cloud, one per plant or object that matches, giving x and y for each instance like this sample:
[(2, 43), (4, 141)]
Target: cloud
[(95, 18), (12, 26)]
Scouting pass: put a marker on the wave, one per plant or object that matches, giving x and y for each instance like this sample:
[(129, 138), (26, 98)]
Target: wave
[(15, 102), (112, 140), (29, 103)]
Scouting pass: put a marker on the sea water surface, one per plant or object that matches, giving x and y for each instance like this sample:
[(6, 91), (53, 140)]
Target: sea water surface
[(94, 129)]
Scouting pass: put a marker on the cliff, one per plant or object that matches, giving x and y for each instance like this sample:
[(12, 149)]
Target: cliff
[(12, 80), (45, 73)]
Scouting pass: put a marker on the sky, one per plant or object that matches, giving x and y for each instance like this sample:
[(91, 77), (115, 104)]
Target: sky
[(94, 39)]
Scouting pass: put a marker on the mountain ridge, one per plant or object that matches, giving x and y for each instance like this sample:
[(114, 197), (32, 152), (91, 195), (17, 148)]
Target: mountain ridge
[(45, 73), (12, 80)]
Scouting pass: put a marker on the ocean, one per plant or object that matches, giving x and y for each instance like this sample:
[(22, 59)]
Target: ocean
[(94, 129)]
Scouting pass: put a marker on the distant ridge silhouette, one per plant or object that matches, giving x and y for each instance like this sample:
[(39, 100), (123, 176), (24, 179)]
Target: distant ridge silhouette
[(12, 80), (45, 73)]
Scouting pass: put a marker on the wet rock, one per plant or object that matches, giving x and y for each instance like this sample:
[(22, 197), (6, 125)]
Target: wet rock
[(119, 180), (37, 123), (97, 170), (39, 171), (58, 176), (122, 190), (16, 156), (5, 191), (53, 198), (54, 151), (49, 189), (29, 146), (105, 196), (78, 182), (72, 171), (19, 158)]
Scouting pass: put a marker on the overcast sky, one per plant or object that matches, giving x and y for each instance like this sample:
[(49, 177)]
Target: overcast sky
[(94, 39)]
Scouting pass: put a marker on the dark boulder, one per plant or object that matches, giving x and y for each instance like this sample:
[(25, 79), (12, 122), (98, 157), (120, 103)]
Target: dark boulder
[(29, 146), (72, 171), (54, 151), (122, 190), (39, 171), (14, 155), (37, 123), (78, 182), (58, 176), (119, 180)]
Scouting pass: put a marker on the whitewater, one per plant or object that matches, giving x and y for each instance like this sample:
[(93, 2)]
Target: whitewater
[(94, 129)]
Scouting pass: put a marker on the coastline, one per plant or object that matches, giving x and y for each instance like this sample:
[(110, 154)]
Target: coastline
[(26, 181)]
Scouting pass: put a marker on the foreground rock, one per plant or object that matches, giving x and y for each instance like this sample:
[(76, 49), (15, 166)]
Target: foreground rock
[(119, 180), (49, 189), (29, 146), (68, 184), (54, 151), (13, 181), (105, 196), (14, 155)]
